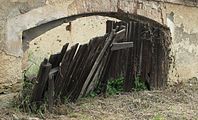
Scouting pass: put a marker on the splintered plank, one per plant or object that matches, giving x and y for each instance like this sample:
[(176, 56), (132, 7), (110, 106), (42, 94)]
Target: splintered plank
[(37, 95), (94, 49), (97, 62), (120, 35), (66, 61), (72, 75), (67, 66), (76, 77), (57, 58)]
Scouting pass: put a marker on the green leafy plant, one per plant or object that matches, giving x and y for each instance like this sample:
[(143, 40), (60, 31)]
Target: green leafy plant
[(23, 100), (139, 84), (92, 94), (115, 86)]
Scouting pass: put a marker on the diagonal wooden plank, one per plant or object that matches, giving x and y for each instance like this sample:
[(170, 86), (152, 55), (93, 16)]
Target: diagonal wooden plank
[(123, 45), (97, 62), (120, 35)]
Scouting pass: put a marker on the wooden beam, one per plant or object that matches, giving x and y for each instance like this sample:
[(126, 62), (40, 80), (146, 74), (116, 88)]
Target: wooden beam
[(123, 45), (53, 70), (50, 92), (97, 63), (128, 82), (120, 35), (37, 95)]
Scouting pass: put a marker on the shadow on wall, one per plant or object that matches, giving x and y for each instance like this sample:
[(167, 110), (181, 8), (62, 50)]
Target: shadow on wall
[(30, 34), (46, 39)]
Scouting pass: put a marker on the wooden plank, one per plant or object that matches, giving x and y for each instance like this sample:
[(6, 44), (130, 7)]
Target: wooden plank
[(104, 76), (51, 93), (64, 50), (128, 82), (120, 35), (66, 66), (53, 70), (123, 45), (61, 74), (94, 50), (82, 73), (141, 42), (57, 58), (37, 95), (83, 65), (109, 26), (73, 74), (97, 62), (60, 79)]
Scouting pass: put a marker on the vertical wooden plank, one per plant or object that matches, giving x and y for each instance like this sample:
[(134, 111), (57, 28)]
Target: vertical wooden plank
[(68, 63), (57, 58), (65, 63), (138, 48), (51, 93), (61, 74), (94, 49), (141, 42), (73, 74), (109, 26), (97, 62), (104, 76), (154, 63), (128, 82), (37, 95)]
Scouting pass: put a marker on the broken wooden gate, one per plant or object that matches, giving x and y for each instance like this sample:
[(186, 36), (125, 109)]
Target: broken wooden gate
[(128, 49)]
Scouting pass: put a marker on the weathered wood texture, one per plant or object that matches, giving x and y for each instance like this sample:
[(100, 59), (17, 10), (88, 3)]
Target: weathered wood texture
[(38, 90), (128, 49)]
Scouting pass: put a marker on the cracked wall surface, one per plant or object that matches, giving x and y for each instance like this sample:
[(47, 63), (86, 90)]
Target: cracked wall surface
[(184, 28), (37, 47), (19, 15)]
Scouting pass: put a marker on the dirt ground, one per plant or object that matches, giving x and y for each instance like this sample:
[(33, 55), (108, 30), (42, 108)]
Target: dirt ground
[(179, 102)]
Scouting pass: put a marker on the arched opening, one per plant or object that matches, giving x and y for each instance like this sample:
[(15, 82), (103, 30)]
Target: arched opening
[(156, 39), (52, 42), (42, 41)]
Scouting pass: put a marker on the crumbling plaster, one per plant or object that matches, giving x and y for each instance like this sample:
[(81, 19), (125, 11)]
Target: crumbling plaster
[(19, 15), (183, 22), (16, 25)]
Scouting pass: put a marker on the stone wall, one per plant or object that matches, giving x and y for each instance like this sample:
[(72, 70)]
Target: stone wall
[(19, 15)]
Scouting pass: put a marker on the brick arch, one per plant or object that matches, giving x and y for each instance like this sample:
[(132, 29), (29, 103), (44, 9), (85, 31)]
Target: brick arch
[(121, 9)]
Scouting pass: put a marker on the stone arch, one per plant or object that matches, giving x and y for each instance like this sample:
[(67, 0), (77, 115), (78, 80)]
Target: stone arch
[(121, 9)]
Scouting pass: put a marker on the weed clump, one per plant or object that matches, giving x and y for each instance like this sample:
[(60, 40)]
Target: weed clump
[(139, 84)]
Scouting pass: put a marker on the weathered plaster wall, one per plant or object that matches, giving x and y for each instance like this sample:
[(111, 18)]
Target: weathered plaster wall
[(51, 41), (19, 15), (183, 22), (10, 66)]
